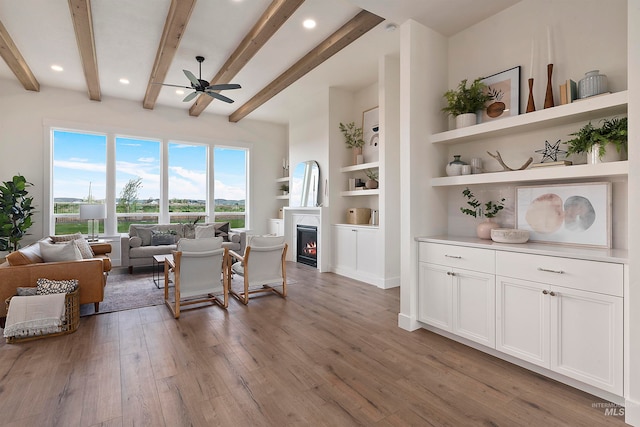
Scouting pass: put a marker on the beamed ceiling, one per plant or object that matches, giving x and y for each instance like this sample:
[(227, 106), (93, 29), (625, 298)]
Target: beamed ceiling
[(259, 44)]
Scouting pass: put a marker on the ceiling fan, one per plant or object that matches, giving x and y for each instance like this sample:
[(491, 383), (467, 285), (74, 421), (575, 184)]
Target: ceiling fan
[(203, 86)]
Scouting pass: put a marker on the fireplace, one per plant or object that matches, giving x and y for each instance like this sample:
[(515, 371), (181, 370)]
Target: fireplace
[(307, 245)]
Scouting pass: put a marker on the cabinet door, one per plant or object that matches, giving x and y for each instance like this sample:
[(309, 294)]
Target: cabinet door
[(434, 295), (522, 319), (474, 314), (344, 249), (367, 262), (586, 337)]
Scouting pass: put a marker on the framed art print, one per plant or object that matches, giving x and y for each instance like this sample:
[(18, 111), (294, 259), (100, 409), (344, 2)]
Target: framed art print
[(572, 214), (370, 134), (505, 89)]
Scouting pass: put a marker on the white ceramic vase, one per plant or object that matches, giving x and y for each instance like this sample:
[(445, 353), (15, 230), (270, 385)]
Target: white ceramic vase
[(611, 154), (464, 120), (484, 228)]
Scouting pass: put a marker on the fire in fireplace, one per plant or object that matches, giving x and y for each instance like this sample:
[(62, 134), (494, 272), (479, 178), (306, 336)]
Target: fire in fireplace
[(307, 245)]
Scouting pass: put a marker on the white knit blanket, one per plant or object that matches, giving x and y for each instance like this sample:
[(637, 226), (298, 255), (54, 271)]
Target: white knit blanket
[(34, 315)]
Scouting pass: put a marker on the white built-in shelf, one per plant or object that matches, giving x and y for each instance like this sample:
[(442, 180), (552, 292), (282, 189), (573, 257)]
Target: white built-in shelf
[(360, 167), (585, 109), (282, 197), (360, 193), (550, 173), (283, 179)]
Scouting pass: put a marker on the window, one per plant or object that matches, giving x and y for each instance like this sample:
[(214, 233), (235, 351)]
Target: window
[(230, 174), (187, 182), (137, 182), (79, 176)]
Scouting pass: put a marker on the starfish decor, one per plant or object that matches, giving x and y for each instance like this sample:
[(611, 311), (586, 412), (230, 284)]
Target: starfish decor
[(551, 151)]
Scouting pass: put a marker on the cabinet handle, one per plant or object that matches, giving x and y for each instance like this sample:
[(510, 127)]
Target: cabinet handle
[(450, 273), (553, 294), (545, 291), (452, 256), (550, 271)]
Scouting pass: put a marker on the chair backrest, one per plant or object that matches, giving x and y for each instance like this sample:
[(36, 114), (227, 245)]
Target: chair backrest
[(200, 266), (265, 255)]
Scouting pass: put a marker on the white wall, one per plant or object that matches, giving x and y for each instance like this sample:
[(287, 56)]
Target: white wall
[(22, 114)]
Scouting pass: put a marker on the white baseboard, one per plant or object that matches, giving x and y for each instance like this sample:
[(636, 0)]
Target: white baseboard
[(407, 323), (632, 413)]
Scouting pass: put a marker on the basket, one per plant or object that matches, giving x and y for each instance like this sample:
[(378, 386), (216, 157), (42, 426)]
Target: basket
[(358, 215), (69, 323)]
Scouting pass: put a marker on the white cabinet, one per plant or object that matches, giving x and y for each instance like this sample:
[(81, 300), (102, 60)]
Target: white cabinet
[(568, 317), (276, 226), (455, 298), (356, 252)]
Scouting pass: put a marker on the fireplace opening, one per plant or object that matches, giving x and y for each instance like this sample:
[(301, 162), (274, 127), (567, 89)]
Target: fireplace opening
[(307, 245)]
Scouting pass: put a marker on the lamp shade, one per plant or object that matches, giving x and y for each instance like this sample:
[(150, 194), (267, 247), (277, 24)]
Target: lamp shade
[(93, 211)]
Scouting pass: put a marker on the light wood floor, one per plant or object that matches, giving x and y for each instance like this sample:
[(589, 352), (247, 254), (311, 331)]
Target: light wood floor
[(331, 354)]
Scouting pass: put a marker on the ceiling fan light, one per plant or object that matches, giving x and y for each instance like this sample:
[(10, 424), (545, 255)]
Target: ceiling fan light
[(179, 92)]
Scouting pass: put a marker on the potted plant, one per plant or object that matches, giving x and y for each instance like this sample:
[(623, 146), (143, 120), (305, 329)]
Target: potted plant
[(372, 181), (593, 140), (464, 102), (285, 189), (490, 210), (15, 212), (353, 139)]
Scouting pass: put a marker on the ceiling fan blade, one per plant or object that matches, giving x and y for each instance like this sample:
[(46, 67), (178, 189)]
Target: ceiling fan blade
[(224, 86), (166, 84), (218, 96), (191, 78), (190, 96)]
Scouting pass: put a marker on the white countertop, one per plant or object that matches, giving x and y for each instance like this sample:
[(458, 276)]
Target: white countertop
[(620, 256)]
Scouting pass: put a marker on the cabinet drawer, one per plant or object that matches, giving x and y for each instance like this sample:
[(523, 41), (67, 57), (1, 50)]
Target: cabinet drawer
[(593, 276), (458, 256)]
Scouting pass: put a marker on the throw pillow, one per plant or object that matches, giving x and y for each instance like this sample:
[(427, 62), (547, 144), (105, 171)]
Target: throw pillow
[(65, 237), (27, 255), (222, 230), (135, 242), (26, 292), (59, 252), (205, 231), (200, 245), (47, 287), (162, 238), (84, 247), (145, 235)]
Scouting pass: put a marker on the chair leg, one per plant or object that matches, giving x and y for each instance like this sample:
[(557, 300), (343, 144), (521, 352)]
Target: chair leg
[(96, 306)]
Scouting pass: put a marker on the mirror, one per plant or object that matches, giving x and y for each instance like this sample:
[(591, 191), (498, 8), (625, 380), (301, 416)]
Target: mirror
[(304, 185)]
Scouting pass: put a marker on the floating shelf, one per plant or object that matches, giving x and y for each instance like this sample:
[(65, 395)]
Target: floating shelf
[(360, 193), (283, 179), (586, 109), (550, 173), (283, 197), (360, 167)]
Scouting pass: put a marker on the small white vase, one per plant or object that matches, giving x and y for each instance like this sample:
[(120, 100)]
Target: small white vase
[(610, 155), (464, 120), (483, 230)]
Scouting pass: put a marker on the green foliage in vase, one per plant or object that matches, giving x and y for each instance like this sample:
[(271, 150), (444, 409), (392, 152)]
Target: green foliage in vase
[(613, 131), (371, 174), (284, 187), (466, 99), (490, 209), (352, 135), (15, 212)]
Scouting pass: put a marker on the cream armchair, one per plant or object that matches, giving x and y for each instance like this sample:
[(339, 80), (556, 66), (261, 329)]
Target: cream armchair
[(262, 267), (199, 268)]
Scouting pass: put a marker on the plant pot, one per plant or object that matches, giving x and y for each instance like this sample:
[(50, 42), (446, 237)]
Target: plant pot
[(464, 120), (611, 155), (371, 184), (483, 230), (357, 155)]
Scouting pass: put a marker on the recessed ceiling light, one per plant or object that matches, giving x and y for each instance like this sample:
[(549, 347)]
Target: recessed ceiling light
[(180, 92), (309, 23), (124, 81), (57, 68)]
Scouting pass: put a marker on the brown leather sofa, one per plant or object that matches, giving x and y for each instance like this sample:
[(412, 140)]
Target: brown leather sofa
[(24, 268)]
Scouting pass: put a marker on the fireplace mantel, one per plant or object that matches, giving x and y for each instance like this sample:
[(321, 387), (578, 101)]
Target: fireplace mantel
[(307, 216)]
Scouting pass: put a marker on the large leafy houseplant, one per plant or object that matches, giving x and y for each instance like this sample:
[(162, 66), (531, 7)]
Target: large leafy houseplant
[(613, 131), (466, 99), (15, 212)]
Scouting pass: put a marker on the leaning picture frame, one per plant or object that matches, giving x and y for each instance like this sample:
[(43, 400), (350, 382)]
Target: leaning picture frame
[(505, 89), (569, 214), (371, 134)]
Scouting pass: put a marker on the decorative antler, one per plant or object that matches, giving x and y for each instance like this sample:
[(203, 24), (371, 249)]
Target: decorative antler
[(498, 157)]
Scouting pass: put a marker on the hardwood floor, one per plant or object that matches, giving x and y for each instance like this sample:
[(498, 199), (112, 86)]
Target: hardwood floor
[(331, 354)]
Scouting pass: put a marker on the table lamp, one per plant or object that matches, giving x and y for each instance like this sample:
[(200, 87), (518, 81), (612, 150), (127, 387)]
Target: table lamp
[(93, 213)]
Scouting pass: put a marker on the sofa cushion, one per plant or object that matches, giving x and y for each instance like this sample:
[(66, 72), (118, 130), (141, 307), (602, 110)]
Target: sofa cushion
[(204, 231), (54, 252), (162, 238), (24, 256), (47, 287), (149, 251)]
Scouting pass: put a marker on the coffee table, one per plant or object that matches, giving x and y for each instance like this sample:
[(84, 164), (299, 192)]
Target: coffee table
[(158, 271)]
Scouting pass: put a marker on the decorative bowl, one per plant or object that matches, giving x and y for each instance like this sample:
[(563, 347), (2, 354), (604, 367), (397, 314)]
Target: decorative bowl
[(509, 235)]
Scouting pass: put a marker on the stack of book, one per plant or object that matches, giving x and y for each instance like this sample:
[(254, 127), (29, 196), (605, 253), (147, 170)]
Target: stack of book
[(558, 163), (568, 92)]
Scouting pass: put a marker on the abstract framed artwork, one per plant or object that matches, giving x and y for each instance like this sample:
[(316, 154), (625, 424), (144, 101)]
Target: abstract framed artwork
[(570, 214), (370, 134), (505, 89)]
